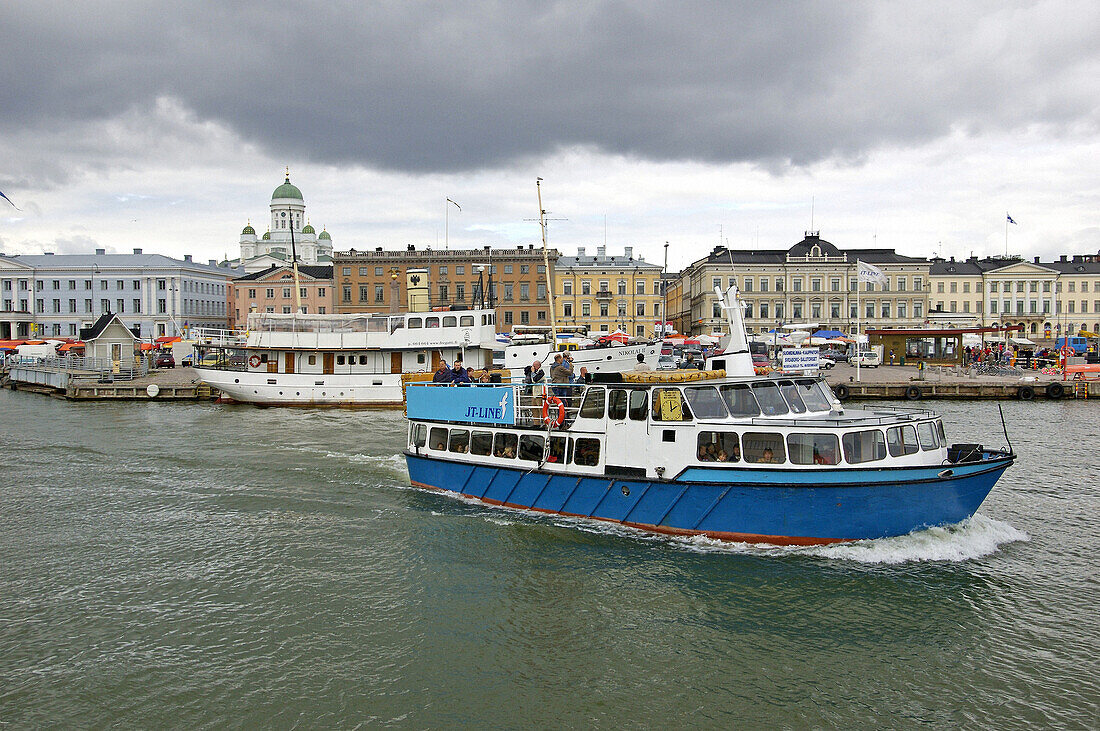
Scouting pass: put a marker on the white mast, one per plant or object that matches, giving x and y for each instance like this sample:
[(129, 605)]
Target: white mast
[(546, 266)]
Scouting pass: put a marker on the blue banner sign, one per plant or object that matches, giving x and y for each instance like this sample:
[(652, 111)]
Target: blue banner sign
[(477, 404)]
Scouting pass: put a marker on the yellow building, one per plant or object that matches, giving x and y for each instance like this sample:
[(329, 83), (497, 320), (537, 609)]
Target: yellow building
[(607, 293)]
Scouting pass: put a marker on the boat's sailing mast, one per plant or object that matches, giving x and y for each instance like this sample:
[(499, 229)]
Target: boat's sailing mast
[(294, 260), (546, 267)]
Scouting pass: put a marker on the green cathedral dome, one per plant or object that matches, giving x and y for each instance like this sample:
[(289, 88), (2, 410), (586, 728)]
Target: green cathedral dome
[(286, 190), (324, 235), (248, 230), (266, 236), (308, 229)]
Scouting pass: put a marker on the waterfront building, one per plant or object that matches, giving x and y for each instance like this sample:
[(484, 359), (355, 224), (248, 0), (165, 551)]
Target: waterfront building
[(272, 290), (813, 281), (1049, 299), (606, 293), (287, 218), (48, 295), (377, 281)]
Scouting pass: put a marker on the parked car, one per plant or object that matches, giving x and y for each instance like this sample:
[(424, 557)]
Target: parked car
[(164, 359), (866, 359), (825, 363), (666, 363), (837, 356)]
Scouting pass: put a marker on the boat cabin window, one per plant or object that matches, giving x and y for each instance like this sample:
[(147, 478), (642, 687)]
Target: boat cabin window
[(739, 399), (926, 431), (460, 441), (431, 322), (450, 321), (363, 360), (419, 435), (531, 446), (705, 402), (557, 450), (943, 437), (481, 443), (616, 404), (669, 405), (587, 452), (901, 440), (396, 323), (790, 393), (638, 405), (312, 360), (505, 445), (813, 448), (467, 321), (415, 322), (770, 399), (864, 446), (814, 395), (717, 446), (438, 439), (763, 447), (592, 407), (339, 360)]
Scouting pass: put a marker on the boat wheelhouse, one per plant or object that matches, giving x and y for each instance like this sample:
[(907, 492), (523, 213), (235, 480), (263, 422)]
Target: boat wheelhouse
[(347, 359)]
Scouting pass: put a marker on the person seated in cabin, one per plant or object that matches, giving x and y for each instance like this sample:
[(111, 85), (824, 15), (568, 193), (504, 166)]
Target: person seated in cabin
[(735, 454), (443, 374), (722, 456), (704, 453), (768, 457), (509, 452), (459, 375), (439, 444)]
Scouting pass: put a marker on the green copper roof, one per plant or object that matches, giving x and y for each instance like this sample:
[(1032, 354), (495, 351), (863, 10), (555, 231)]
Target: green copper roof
[(248, 230), (308, 229), (266, 236), (325, 235), (286, 190)]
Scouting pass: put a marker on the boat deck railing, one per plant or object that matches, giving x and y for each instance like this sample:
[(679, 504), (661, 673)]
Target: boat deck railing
[(218, 336)]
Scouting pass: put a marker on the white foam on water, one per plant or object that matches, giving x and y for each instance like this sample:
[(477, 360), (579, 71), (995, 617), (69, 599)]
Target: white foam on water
[(972, 538)]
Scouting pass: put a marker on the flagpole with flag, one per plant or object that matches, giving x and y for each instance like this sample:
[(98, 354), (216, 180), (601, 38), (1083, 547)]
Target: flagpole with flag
[(9, 200), (867, 273), (1008, 220)]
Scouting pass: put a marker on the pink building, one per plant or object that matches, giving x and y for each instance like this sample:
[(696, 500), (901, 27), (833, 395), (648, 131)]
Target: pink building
[(272, 290)]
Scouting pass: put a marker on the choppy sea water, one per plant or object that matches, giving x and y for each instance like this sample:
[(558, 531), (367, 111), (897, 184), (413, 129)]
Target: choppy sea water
[(226, 566)]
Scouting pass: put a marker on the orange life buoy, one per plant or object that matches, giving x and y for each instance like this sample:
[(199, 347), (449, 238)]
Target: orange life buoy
[(547, 417), (254, 361), (1067, 351)]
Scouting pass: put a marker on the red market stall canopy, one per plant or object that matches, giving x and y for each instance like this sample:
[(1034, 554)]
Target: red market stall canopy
[(70, 346), (166, 339)]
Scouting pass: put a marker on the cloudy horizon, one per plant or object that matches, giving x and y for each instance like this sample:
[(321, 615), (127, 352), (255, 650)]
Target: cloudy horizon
[(126, 124)]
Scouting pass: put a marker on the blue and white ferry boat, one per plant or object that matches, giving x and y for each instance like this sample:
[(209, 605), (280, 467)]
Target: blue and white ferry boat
[(724, 454)]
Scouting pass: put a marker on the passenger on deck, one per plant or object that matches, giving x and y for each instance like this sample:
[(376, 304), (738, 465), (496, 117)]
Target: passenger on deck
[(641, 366), (443, 374), (459, 374)]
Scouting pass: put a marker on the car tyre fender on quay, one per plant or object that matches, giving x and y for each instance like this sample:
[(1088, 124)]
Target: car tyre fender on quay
[(1025, 393), (913, 393), (842, 392), (1055, 390)]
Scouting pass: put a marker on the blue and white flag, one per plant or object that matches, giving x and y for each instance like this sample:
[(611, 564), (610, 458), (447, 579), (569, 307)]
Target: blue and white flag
[(870, 273), (9, 201), (1010, 220)]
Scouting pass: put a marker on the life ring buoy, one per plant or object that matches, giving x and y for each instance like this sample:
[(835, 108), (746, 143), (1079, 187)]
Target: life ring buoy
[(552, 419), (913, 393), (1067, 351), (841, 392), (1025, 393), (254, 361), (1055, 390)]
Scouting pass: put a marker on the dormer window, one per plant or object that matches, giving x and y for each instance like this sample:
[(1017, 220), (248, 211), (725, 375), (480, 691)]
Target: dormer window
[(815, 250)]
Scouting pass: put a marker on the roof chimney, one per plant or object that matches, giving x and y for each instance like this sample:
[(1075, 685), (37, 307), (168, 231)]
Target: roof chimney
[(1062, 257), (601, 251), (411, 248), (1036, 260), (580, 251), (137, 251), (378, 249), (103, 252), (629, 252), (187, 257), (212, 262)]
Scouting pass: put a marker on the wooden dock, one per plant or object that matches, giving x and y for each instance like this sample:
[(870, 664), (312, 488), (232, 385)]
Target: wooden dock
[(1014, 391)]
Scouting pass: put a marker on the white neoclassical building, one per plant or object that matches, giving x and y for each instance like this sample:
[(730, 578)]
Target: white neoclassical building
[(288, 219)]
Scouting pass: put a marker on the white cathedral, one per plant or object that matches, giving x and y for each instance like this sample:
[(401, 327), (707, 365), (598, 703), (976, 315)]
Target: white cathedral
[(288, 213)]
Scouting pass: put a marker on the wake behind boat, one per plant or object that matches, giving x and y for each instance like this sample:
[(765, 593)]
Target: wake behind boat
[(732, 456)]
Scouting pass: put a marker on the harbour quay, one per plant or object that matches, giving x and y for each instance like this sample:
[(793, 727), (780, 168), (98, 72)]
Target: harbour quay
[(953, 382), (177, 384)]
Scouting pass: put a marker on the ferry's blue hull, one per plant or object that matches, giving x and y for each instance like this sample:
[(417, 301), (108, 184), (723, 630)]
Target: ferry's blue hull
[(777, 506)]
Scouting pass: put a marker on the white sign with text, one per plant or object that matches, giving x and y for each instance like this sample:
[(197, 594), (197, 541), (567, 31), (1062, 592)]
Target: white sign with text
[(800, 359)]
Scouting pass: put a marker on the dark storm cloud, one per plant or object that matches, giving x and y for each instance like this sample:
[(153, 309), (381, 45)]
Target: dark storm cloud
[(443, 86)]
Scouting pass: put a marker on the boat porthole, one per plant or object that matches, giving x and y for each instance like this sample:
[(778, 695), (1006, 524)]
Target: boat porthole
[(626, 491), (236, 380), (297, 393), (280, 393)]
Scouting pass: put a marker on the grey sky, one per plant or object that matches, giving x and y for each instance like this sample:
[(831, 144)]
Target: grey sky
[(888, 112)]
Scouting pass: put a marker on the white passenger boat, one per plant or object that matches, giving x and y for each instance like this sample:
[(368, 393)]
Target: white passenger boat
[(339, 360)]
